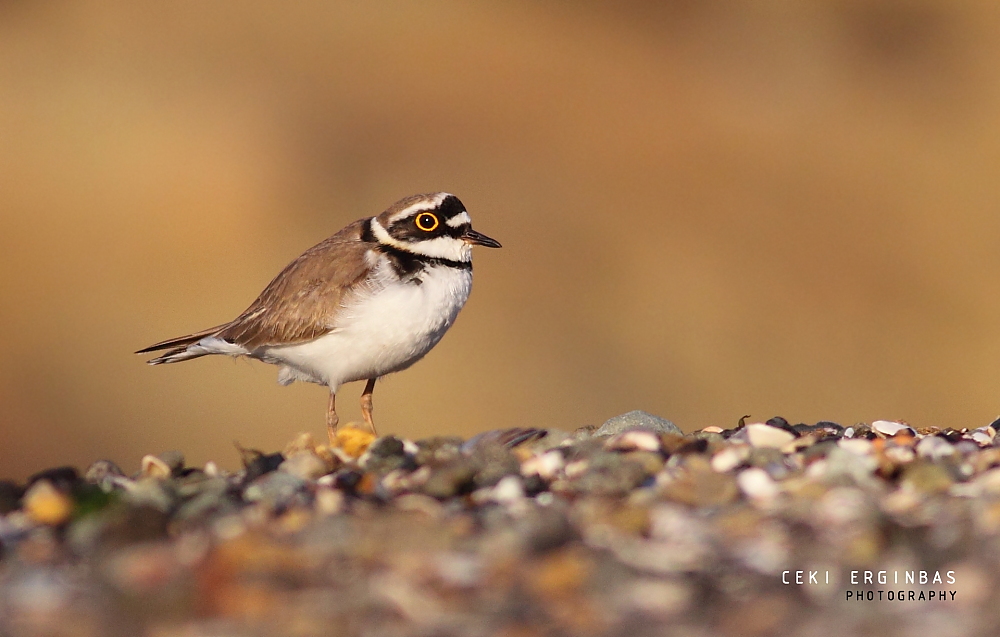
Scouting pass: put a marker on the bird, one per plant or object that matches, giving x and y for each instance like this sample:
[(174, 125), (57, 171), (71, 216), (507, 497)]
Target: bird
[(368, 301)]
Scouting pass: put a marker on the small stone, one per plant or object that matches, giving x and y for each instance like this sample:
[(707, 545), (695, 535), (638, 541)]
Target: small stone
[(901, 501), (45, 504), (207, 496), (780, 423), (419, 503), (827, 428), (276, 488), (861, 430), (438, 449), (62, 478), (935, 448), (841, 463), (804, 441), (730, 458), (842, 505), (173, 459), (387, 447), (634, 441), (229, 527), (459, 570), (761, 435), (609, 473), (698, 485), (508, 491), (493, 462), (347, 480), (543, 529), (637, 419), (710, 437), (757, 484), (305, 464), (682, 541), (402, 481), (104, 474), (10, 496), (650, 461), (154, 493), (927, 477), (302, 442), (987, 517), (559, 575), (257, 463), (989, 482), (141, 569), (899, 455), (584, 432), (386, 455), (546, 465), (657, 598), (699, 443), (857, 446), (454, 478)]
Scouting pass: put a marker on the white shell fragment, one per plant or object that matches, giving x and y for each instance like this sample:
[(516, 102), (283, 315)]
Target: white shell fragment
[(889, 428), (982, 436), (761, 435), (153, 467)]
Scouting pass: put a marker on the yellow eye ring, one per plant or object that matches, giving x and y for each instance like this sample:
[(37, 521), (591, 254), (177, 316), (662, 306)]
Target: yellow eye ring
[(427, 222)]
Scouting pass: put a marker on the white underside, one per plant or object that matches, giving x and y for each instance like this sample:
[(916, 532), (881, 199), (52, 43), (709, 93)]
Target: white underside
[(384, 330)]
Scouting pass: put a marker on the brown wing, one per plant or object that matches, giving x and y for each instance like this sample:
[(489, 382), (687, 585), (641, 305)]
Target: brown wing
[(301, 302)]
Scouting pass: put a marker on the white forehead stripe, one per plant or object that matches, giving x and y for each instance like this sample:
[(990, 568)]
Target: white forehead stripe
[(439, 248), (430, 203), (460, 219)]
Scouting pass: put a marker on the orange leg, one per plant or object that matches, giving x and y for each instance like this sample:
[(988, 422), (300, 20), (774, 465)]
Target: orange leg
[(366, 404)]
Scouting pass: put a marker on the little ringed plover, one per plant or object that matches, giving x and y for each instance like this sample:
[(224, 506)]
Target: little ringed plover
[(366, 302)]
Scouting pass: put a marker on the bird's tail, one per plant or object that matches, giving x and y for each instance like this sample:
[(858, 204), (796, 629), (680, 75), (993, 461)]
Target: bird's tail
[(181, 348)]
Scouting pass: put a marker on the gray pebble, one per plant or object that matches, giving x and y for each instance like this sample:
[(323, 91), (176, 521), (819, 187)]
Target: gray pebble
[(103, 473), (173, 459), (277, 488), (494, 462), (452, 478), (637, 420)]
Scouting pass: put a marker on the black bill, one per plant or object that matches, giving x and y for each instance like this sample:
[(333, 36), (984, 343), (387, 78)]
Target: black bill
[(479, 239)]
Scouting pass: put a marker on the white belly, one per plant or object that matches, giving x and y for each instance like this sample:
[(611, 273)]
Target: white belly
[(382, 332)]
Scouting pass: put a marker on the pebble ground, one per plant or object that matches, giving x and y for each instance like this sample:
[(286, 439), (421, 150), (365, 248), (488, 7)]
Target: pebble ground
[(632, 528)]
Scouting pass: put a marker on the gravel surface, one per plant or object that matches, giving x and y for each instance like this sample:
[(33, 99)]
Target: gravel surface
[(631, 528)]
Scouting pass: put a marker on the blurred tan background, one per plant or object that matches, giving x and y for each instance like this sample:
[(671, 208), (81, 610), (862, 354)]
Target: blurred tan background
[(708, 209)]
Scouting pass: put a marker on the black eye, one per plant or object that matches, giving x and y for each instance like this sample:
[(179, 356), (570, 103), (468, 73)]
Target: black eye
[(427, 221)]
